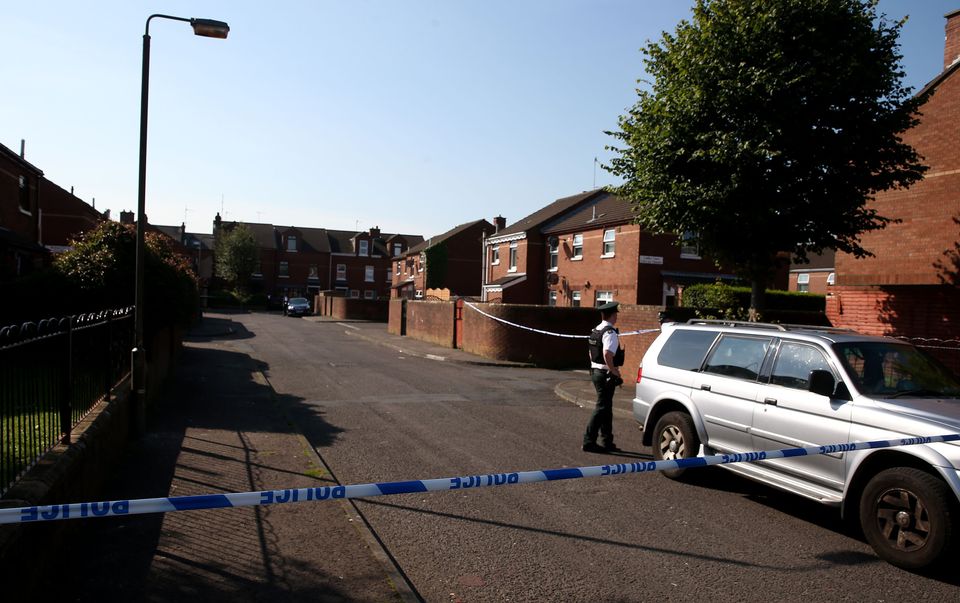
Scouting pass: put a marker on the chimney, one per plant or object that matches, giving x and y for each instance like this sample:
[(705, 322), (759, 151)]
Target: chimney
[(374, 232), (126, 217), (499, 223), (23, 148), (951, 46)]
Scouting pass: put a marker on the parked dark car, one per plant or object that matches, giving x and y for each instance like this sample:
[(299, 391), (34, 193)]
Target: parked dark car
[(297, 306)]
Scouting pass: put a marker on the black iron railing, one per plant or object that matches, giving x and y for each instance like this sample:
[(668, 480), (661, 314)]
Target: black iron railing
[(52, 373)]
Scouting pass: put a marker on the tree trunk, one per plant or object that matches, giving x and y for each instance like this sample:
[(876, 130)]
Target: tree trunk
[(758, 290)]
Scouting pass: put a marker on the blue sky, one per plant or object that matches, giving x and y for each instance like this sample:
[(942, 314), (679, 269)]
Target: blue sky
[(414, 116)]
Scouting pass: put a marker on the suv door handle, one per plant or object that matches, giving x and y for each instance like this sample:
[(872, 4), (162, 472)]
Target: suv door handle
[(705, 387), (770, 401)]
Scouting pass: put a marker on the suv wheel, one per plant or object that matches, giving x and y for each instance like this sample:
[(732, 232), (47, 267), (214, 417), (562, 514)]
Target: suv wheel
[(906, 517), (674, 438)]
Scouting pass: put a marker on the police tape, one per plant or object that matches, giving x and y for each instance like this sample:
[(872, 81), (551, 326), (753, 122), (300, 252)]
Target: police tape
[(271, 497), (542, 332)]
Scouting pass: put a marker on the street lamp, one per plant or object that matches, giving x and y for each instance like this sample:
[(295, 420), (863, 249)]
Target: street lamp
[(201, 27)]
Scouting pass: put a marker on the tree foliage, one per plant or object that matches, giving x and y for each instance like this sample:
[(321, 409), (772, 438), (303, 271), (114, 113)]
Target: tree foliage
[(768, 127), (238, 255)]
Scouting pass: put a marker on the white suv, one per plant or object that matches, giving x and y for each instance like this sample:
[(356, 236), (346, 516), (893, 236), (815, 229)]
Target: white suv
[(708, 387)]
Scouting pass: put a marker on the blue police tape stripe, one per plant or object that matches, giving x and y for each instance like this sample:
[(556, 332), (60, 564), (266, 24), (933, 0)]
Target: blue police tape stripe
[(268, 497), (554, 474), (402, 487), (206, 501)]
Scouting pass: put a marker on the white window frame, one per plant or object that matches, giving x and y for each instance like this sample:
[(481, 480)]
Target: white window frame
[(803, 282), (552, 298), (397, 249), (354, 294), (577, 247), (554, 255), (341, 272), (609, 243), (369, 294), (364, 248), (422, 262), (603, 297), (292, 243), (495, 255), (283, 271), (575, 299), (689, 252), (368, 274), (513, 257), (418, 294), (314, 272), (832, 278)]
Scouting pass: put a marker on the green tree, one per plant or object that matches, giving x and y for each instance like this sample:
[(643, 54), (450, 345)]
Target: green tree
[(238, 255), (768, 127), (99, 272)]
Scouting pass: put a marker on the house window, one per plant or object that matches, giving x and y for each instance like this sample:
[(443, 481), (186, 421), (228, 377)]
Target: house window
[(552, 300), (364, 247), (369, 294), (397, 269), (604, 297), (284, 270), (831, 278), (25, 195), (397, 249), (418, 294), (577, 247), (291, 243), (803, 281), (609, 242), (689, 247), (575, 299), (422, 262), (355, 294), (314, 271), (554, 247), (389, 276), (495, 255), (368, 274), (513, 256), (341, 272)]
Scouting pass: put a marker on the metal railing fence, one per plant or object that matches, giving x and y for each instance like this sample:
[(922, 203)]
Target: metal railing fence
[(52, 373)]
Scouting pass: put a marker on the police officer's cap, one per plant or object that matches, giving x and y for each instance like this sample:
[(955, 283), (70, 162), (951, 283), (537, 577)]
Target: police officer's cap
[(610, 307)]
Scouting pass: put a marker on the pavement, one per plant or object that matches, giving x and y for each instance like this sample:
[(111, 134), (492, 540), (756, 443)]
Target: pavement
[(220, 427)]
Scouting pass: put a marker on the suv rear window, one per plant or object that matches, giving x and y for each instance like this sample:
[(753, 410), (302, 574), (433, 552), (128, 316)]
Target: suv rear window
[(739, 357), (685, 349)]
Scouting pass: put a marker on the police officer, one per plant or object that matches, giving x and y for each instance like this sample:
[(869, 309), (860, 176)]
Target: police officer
[(606, 358)]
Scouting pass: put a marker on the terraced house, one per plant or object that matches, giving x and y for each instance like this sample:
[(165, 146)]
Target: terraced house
[(452, 261), (584, 250)]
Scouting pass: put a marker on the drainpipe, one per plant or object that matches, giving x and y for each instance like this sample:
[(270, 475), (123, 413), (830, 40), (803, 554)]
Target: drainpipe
[(483, 271)]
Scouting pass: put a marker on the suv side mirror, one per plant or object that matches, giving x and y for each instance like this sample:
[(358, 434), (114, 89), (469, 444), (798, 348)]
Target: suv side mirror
[(822, 382)]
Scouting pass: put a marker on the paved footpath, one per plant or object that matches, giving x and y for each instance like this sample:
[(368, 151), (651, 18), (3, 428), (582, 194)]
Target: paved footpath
[(219, 429)]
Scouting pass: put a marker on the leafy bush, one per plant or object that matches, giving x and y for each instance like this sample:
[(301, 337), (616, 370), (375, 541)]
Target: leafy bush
[(719, 300)]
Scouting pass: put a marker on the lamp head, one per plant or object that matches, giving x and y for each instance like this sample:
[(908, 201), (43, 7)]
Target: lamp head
[(210, 28)]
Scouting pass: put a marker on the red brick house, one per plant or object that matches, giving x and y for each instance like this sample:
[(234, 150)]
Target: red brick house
[(301, 262), (910, 288), (596, 254), (20, 251), (817, 276), (63, 216), (584, 250), (461, 251)]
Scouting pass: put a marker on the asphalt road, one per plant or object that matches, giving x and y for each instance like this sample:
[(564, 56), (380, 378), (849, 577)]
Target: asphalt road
[(375, 414)]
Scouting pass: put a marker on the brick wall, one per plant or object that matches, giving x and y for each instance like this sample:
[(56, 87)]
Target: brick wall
[(902, 311), (906, 253), (431, 321), (492, 339), (395, 321), (358, 309)]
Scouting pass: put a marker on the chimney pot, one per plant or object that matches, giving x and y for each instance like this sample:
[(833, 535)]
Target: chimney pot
[(499, 223)]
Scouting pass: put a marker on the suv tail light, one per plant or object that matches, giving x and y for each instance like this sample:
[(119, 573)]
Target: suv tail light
[(639, 372)]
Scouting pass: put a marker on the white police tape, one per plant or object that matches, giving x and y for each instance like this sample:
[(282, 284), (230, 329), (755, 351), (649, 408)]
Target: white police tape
[(513, 324), (271, 497)]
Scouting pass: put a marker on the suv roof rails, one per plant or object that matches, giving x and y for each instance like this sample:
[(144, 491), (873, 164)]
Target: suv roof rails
[(767, 325), (735, 323)]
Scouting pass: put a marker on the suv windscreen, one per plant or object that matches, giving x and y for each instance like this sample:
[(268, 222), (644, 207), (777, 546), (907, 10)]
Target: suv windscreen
[(739, 357), (685, 349), (890, 370)]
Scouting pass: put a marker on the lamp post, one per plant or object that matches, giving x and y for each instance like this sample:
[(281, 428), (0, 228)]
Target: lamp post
[(201, 27)]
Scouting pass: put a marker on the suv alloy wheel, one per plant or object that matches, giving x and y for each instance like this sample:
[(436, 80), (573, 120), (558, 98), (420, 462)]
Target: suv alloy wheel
[(674, 438)]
